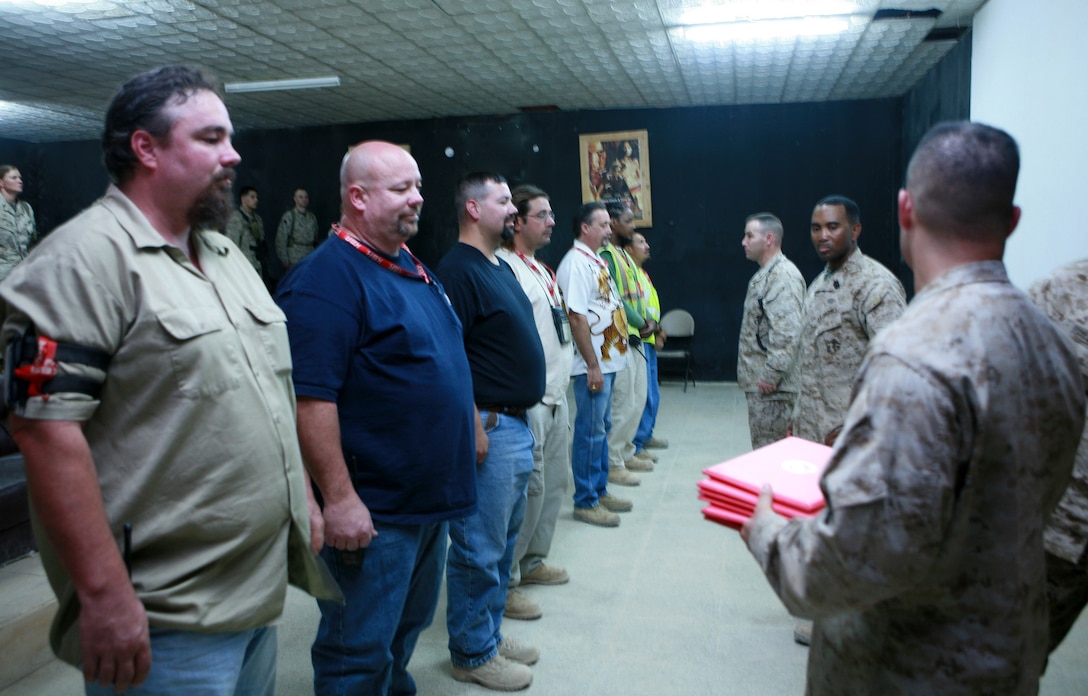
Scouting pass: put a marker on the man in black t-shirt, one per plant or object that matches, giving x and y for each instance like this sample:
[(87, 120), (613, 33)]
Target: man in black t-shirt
[(507, 363)]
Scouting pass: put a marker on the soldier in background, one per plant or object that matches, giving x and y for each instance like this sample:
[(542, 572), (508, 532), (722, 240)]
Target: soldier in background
[(296, 235), (246, 229), (852, 299), (769, 331), (1063, 296), (925, 573)]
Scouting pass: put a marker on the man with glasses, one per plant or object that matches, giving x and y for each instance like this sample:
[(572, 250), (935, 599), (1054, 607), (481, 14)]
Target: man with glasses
[(549, 419)]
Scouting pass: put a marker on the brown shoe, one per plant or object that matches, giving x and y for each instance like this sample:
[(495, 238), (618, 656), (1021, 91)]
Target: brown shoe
[(598, 516), (638, 464), (657, 443), (546, 575), (613, 504), (497, 674), (519, 606), (622, 477), (647, 455)]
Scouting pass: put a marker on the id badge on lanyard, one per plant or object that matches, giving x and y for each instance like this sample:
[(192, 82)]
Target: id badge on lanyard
[(562, 325)]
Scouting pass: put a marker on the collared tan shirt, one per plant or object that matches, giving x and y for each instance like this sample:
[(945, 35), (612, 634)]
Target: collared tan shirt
[(770, 328), (925, 571), (844, 311), (193, 435), (1063, 296)]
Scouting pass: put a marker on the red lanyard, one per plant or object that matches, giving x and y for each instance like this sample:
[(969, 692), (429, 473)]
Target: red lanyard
[(365, 250), (593, 257), (548, 281)]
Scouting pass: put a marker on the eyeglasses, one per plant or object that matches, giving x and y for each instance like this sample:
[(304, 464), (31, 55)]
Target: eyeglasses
[(543, 215)]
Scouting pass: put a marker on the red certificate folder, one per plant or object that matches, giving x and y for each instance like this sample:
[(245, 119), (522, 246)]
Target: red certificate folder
[(791, 466)]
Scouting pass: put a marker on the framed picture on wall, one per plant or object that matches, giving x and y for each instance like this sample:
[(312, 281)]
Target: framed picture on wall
[(616, 168)]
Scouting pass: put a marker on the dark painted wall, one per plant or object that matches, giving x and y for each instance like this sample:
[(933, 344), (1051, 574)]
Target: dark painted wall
[(709, 168), (944, 94)]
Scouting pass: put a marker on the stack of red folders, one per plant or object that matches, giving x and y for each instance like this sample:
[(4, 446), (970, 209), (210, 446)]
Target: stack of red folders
[(791, 466)]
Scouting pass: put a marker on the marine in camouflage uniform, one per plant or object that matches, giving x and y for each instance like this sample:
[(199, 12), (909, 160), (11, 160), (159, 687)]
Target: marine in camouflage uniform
[(769, 331), (925, 572), (246, 228), (844, 310), (1063, 296), (296, 235)]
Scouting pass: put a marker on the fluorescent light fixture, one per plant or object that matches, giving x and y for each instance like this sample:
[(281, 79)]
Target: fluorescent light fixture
[(765, 30), (750, 10), (282, 85)]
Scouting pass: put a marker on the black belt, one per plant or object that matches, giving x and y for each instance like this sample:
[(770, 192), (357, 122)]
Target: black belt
[(514, 411)]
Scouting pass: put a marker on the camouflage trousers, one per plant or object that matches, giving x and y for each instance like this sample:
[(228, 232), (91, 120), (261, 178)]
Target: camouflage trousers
[(768, 417), (1066, 594)]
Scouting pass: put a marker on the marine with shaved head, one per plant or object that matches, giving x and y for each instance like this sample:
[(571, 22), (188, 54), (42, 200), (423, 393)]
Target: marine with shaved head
[(925, 573), (379, 359)]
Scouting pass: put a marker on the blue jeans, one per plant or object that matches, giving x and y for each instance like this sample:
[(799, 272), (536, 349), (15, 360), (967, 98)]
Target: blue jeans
[(391, 589), (653, 400), (241, 663), (482, 544), (589, 444)]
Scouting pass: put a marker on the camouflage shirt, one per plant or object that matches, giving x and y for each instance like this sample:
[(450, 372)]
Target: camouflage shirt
[(925, 572), (247, 232), (17, 231), (770, 327), (1063, 296), (844, 310), (296, 236)]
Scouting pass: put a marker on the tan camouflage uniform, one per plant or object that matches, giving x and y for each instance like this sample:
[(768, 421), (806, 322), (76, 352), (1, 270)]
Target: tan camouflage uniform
[(1063, 296), (247, 232), (769, 331), (296, 236), (17, 232), (925, 572), (844, 310)]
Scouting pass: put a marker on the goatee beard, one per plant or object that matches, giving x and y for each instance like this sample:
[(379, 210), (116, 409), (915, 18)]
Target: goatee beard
[(213, 208)]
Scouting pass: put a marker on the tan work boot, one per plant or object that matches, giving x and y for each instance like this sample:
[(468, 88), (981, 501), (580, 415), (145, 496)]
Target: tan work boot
[(646, 454), (497, 674), (622, 477), (546, 575), (519, 606), (598, 516), (613, 504), (518, 652), (657, 443), (638, 464)]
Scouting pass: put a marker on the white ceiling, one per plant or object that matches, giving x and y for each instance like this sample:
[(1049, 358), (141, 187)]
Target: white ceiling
[(408, 59)]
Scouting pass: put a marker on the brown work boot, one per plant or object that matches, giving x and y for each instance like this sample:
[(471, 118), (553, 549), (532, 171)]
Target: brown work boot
[(646, 454), (519, 606), (598, 516), (497, 674), (613, 504), (546, 575), (622, 477), (657, 443), (638, 464)]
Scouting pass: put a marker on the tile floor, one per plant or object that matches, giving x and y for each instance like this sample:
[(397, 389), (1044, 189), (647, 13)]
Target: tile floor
[(664, 604)]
